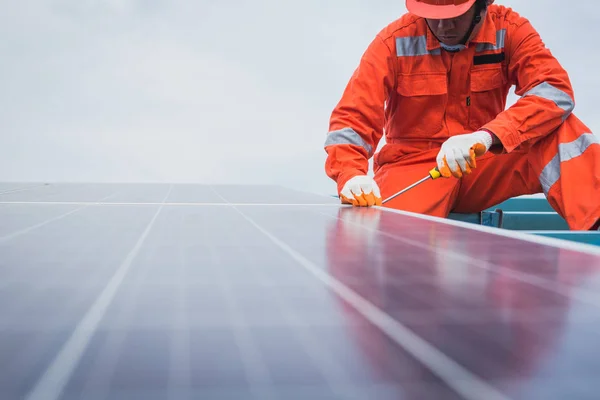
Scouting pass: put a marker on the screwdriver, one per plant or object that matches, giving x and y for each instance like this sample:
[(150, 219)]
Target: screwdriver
[(433, 174), (476, 150)]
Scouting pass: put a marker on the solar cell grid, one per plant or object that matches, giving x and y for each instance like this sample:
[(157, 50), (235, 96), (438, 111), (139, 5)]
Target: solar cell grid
[(155, 295)]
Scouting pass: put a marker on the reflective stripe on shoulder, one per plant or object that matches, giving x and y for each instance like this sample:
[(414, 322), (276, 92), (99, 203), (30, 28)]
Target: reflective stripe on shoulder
[(500, 40), (411, 46), (347, 136), (566, 151)]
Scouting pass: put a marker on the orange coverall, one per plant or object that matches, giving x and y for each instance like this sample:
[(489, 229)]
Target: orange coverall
[(407, 86)]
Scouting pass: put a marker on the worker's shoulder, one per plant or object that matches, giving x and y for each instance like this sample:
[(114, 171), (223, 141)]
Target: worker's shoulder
[(406, 25), (506, 17)]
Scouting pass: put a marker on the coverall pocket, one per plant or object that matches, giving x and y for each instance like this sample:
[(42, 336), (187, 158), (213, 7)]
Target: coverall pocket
[(487, 97), (421, 104)]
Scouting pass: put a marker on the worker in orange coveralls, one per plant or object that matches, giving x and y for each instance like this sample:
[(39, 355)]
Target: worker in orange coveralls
[(436, 82)]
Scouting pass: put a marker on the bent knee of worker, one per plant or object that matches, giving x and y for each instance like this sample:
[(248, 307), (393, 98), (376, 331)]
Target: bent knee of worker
[(570, 130), (567, 143)]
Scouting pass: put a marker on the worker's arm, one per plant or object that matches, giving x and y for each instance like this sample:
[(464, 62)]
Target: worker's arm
[(546, 94), (356, 124)]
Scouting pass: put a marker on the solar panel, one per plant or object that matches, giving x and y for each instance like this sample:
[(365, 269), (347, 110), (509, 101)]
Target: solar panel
[(154, 291)]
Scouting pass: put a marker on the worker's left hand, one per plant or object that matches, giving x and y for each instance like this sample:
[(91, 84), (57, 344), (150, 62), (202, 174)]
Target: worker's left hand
[(458, 153)]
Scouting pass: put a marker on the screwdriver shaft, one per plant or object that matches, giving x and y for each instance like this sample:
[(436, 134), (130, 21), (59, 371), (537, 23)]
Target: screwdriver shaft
[(405, 189)]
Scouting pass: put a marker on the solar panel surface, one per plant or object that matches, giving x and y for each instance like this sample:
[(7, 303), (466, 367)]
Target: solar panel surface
[(150, 291)]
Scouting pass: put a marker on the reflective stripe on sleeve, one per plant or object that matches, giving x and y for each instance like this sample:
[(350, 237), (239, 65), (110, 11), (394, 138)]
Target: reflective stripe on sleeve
[(549, 92), (347, 136)]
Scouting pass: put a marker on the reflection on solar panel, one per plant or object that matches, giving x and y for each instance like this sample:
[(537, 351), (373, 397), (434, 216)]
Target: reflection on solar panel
[(246, 292)]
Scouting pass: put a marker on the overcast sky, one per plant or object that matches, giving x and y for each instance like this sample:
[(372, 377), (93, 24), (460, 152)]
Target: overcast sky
[(227, 91)]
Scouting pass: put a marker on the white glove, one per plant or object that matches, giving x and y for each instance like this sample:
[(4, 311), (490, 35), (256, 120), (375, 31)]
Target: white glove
[(362, 191), (457, 155)]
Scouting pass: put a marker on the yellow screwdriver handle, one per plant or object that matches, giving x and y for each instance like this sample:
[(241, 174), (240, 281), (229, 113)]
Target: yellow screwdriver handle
[(477, 150), (435, 173)]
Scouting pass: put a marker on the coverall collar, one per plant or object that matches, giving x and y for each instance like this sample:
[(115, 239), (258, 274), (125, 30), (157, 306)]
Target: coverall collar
[(487, 34)]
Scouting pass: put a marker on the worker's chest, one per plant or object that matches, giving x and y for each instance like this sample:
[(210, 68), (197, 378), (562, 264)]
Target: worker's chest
[(446, 91)]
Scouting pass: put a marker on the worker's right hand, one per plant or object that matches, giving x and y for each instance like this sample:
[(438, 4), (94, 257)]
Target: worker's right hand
[(457, 155), (361, 191)]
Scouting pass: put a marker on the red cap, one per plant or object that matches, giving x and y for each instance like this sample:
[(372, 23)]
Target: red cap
[(439, 9)]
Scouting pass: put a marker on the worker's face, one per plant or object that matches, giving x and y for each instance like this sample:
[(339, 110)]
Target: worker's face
[(451, 31)]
